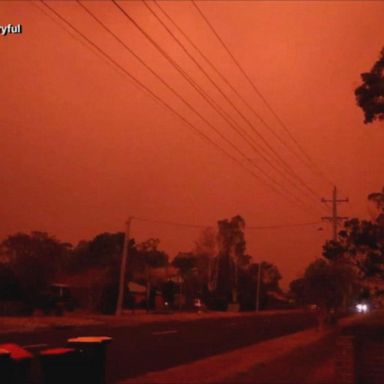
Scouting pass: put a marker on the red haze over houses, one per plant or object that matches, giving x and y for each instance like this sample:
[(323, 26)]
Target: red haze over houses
[(82, 147)]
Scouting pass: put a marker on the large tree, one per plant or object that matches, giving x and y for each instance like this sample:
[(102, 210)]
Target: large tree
[(270, 276), (370, 95), (231, 256), (205, 251), (325, 284), (9, 284), (143, 258), (206, 244), (185, 262), (249, 285), (148, 255), (36, 259), (103, 251), (193, 271), (361, 245), (377, 198)]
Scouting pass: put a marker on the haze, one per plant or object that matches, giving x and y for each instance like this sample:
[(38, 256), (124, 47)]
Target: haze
[(82, 148)]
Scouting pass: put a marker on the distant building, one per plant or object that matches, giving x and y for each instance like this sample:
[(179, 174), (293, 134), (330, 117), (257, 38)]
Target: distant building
[(88, 287)]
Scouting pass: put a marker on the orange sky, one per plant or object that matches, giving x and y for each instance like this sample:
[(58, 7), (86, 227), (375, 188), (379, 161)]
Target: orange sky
[(82, 148)]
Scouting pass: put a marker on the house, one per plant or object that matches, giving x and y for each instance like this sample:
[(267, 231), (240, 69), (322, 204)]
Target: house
[(140, 296), (87, 287)]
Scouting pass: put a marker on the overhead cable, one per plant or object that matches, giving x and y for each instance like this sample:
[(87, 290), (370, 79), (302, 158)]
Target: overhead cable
[(259, 93), (164, 104)]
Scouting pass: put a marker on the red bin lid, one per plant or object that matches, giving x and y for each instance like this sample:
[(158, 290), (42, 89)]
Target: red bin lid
[(17, 352), (4, 352), (90, 339), (56, 351)]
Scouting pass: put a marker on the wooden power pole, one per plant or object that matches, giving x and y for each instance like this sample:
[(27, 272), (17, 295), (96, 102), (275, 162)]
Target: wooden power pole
[(334, 219), (259, 277), (123, 269)]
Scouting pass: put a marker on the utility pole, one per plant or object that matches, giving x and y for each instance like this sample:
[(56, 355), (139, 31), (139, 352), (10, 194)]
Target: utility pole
[(236, 279), (123, 269), (258, 287), (334, 219)]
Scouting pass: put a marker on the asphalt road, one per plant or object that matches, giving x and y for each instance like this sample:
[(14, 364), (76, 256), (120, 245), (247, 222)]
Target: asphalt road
[(155, 346)]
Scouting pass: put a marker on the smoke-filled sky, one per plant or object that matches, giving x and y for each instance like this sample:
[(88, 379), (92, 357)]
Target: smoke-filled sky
[(83, 147)]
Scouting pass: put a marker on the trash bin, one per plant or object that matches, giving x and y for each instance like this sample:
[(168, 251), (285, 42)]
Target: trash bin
[(58, 365), (5, 366), (92, 354), (20, 363)]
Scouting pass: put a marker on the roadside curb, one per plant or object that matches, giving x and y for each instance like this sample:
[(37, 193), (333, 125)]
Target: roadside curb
[(33, 324), (221, 368), (142, 319)]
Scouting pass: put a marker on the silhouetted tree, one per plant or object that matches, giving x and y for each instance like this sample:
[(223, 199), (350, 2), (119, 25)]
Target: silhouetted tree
[(205, 252), (248, 283), (193, 277), (196, 266), (185, 262), (370, 95), (377, 198), (340, 283), (169, 291), (147, 254), (103, 251), (110, 287), (270, 276), (206, 244), (361, 245), (231, 245), (247, 287), (10, 289), (324, 284), (36, 259), (297, 291)]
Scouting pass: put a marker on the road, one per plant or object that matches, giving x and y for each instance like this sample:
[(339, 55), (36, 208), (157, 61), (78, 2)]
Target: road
[(155, 346)]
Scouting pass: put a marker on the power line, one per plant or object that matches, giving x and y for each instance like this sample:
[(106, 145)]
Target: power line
[(172, 223), (158, 99), (178, 95), (334, 219), (216, 70), (85, 44), (258, 92), (248, 122), (201, 226), (284, 225), (173, 63), (206, 97), (224, 78), (82, 42)]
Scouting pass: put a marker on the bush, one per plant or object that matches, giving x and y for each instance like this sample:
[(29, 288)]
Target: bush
[(217, 303), (15, 308)]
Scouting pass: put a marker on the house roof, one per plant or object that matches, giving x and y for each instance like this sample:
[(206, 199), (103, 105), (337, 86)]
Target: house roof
[(84, 279), (136, 288)]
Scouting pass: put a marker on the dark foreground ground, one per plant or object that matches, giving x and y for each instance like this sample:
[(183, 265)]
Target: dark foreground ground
[(156, 346), (310, 365)]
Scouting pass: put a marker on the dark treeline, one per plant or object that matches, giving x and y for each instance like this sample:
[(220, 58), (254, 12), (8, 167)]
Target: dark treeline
[(217, 270)]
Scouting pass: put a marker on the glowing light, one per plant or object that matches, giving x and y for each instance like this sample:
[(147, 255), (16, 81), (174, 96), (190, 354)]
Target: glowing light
[(362, 308)]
